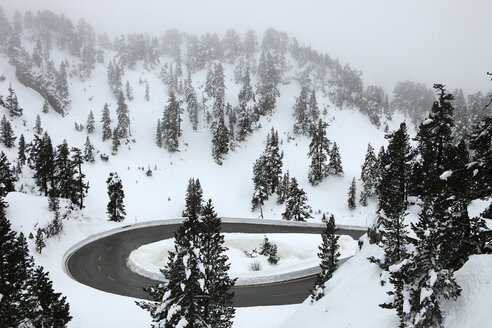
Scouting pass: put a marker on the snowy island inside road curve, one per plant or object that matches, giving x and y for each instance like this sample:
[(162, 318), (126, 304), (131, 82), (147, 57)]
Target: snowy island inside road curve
[(102, 260)]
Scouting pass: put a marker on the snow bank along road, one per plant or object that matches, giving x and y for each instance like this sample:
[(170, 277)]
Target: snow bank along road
[(101, 260)]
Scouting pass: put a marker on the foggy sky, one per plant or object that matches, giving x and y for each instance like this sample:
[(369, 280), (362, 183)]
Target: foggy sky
[(429, 41)]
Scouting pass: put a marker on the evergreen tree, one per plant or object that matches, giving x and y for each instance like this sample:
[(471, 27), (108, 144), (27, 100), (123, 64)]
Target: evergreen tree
[(115, 208), (335, 164), (53, 309), (158, 135), (46, 106), (193, 198), (147, 91), (269, 78), (369, 175), (283, 188), (220, 136), (302, 123), (7, 177), (351, 195), (88, 151), (6, 133), (40, 243), (37, 127), (12, 104), (313, 107), (171, 123), (328, 254), (319, 149), (90, 122), (181, 300), (106, 123), (246, 93), (260, 181), (42, 158), (21, 151), (123, 117), (244, 123), (296, 208), (191, 102), (129, 91), (218, 307), (79, 187), (115, 141), (273, 160), (62, 172)]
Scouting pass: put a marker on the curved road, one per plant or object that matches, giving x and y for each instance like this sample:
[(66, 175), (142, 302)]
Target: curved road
[(101, 264)]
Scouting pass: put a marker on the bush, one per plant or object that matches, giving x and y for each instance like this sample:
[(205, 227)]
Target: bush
[(255, 265)]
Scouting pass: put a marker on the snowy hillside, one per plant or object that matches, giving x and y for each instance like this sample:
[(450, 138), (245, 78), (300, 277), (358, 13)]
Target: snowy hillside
[(355, 119)]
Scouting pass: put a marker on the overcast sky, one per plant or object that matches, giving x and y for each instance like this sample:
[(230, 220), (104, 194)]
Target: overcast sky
[(445, 41)]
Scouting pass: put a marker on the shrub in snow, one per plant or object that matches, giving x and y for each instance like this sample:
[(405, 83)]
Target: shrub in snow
[(255, 265), (269, 249)]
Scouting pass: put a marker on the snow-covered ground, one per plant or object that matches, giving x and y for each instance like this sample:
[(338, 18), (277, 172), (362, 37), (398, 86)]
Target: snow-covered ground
[(296, 251)]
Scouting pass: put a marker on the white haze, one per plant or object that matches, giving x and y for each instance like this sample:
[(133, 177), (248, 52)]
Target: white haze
[(445, 41)]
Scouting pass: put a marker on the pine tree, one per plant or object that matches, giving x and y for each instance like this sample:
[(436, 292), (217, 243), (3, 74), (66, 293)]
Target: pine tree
[(37, 127), (296, 208), (115, 208), (42, 157), (158, 134), (12, 103), (62, 172), (260, 181), (335, 164), (53, 309), (79, 186), (193, 198), (123, 117), (369, 176), (171, 123), (302, 123), (191, 102), (115, 142), (7, 177), (220, 135), (106, 123), (6, 133), (244, 123), (147, 91), (129, 91), (328, 254), (351, 195), (283, 188), (90, 122), (273, 160), (46, 106), (40, 243), (181, 300), (319, 149), (21, 151), (88, 151), (313, 107), (246, 93), (218, 307)]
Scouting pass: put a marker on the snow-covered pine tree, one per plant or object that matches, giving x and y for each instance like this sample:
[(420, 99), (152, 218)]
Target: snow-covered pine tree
[(193, 198), (296, 207), (115, 141), (218, 284), (90, 122), (7, 177), (128, 91), (115, 208), (37, 126), (21, 151), (123, 117), (351, 202), (246, 93), (88, 151), (46, 106), (191, 102), (319, 149), (369, 176), (147, 91), (260, 182), (79, 187), (181, 300), (42, 156), (106, 123), (244, 123), (62, 172), (7, 136), (269, 78), (171, 123), (274, 160), (301, 115), (283, 188), (12, 103), (39, 242), (313, 107), (158, 134), (328, 254), (53, 309), (335, 164), (220, 134)]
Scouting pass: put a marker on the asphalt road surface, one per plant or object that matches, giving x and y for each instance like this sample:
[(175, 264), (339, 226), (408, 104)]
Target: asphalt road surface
[(101, 264)]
